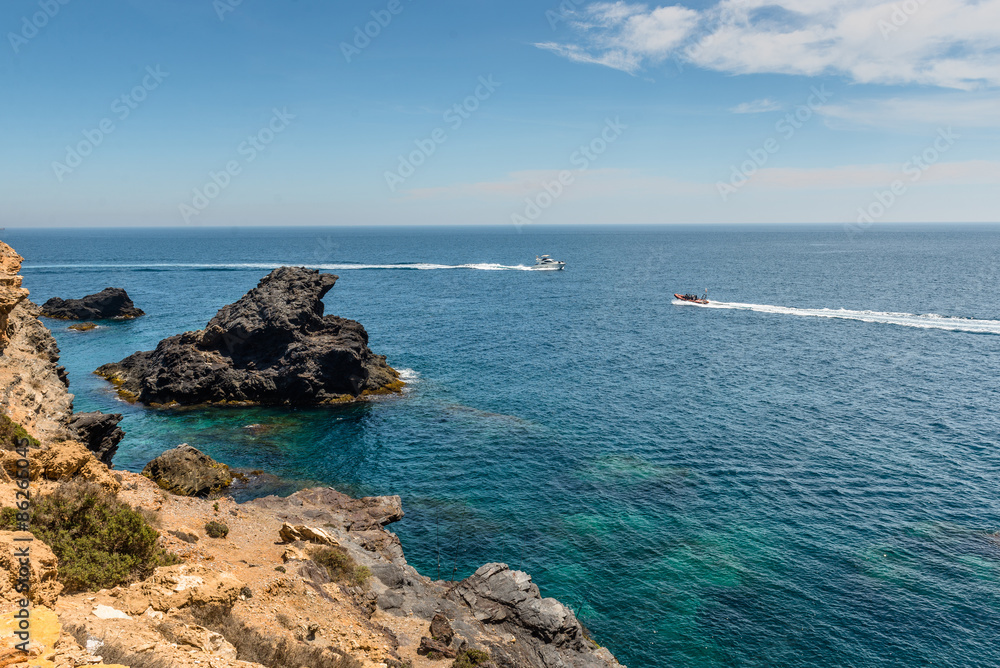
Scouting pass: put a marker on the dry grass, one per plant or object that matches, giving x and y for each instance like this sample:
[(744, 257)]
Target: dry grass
[(269, 651)]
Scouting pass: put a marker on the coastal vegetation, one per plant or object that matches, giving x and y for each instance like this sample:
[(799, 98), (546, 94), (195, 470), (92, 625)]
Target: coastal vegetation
[(11, 433), (100, 542)]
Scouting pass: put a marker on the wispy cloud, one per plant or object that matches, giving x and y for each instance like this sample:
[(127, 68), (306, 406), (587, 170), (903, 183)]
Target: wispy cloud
[(623, 36), (756, 107), (965, 110), (945, 43)]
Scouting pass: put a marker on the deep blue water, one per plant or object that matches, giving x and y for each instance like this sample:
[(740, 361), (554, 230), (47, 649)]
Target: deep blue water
[(730, 486)]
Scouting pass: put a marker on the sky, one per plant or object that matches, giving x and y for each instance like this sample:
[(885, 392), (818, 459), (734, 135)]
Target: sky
[(390, 112)]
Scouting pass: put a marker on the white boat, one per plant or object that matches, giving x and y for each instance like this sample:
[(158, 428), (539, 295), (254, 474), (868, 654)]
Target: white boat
[(545, 262)]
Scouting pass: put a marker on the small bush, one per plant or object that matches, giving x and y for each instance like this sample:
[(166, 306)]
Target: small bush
[(280, 569), (216, 529), (215, 506), (11, 433), (360, 575), (337, 562), (100, 542), (470, 658)]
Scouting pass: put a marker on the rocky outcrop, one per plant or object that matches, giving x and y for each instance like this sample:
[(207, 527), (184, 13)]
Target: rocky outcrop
[(496, 609), (99, 432), (108, 304), (181, 586), (274, 346), (43, 588), (306, 534), (11, 292), (187, 471)]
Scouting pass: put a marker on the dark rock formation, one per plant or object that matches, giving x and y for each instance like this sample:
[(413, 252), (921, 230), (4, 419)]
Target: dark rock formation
[(274, 346), (107, 304), (441, 629), (187, 471), (99, 432)]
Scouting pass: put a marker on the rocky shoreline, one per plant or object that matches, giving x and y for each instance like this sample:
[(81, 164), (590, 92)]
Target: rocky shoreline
[(269, 565)]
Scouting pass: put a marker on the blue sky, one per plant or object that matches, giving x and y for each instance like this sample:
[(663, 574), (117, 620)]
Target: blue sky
[(202, 112)]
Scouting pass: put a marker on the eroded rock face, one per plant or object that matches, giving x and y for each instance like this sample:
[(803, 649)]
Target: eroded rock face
[(181, 586), (11, 292), (109, 303), (43, 570), (187, 471), (274, 346), (99, 432)]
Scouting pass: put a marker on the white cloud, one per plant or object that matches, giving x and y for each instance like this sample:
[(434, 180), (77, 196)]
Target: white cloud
[(756, 107), (945, 43), (963, 110)]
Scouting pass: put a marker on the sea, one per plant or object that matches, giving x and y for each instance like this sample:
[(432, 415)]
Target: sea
[(804, 472)]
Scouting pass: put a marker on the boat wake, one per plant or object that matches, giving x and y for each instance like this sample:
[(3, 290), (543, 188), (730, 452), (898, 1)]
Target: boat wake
[(413, 266), (926, 321)]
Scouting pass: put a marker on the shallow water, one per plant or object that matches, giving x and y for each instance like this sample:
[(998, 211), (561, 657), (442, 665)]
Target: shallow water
[(801, 474)]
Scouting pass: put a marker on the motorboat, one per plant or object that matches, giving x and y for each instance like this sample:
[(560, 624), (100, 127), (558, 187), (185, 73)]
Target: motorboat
[(544, 262), (694, 299)]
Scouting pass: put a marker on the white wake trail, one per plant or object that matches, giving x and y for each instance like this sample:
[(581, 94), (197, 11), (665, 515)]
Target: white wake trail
[(418, 266), (925, 321)]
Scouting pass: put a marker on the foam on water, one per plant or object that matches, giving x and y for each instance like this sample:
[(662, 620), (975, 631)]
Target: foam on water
[(924, 321)]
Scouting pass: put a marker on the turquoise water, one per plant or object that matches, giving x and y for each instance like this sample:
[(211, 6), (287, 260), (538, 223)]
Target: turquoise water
[(770, 481)]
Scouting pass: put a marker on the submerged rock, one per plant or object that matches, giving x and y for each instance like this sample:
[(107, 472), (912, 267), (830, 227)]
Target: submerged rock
[(187, 471), (99, 432), (107, 304), (274, 346)]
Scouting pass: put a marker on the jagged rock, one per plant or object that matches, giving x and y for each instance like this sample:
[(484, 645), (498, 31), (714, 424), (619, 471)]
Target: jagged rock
[(497, 594), (44, 588), (187, 471), (441, 629), (107, 612), (99, 432), (435, 650), (107, 304), (11, 292), (63, 461), (292, 534), (324, 505), (180, 586), (274, 346)]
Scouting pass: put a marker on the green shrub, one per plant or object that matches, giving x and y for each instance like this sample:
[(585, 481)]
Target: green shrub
[(337, 562), (280, 569), (470, 658), (360, 575), (100, 542), (11, 432), (216, 529)]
